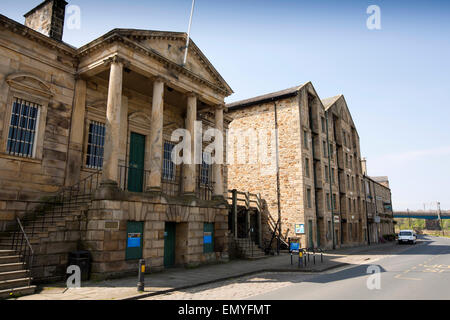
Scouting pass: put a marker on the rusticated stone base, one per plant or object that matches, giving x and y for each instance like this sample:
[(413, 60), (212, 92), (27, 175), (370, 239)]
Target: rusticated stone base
[(106, 232)]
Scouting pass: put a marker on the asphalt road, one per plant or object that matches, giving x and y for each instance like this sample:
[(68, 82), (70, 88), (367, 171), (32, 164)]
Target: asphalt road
[(420, 272)]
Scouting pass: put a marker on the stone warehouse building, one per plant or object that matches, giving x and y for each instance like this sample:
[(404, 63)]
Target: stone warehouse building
[(85, 147), (318, 194), (378, 199)]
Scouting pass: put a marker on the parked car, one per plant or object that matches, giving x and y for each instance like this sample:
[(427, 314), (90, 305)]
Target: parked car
[(407, 236)]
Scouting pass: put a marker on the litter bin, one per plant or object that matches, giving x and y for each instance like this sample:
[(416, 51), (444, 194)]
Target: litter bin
[(83, 260)]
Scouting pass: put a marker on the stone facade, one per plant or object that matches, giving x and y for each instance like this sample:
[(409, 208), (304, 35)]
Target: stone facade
[(320, 172), (129, 82), (379, 208)]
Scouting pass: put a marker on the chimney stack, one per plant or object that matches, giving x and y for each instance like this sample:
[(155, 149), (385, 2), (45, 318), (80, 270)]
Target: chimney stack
[(48, 18), (364, 166)]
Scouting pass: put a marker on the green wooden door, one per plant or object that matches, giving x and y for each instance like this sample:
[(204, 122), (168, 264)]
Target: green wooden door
[(135, 240), (136, 164), (169, 244), (208, 238), (310, 234)]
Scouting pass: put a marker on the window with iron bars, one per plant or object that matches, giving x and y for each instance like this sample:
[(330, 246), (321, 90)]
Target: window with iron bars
[(95, 147), (168, 165), (22, 129), (205, 169)]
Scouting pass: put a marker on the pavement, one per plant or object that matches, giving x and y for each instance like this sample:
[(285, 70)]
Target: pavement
[(179, 279)]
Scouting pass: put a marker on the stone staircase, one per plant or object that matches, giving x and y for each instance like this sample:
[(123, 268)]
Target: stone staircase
[(53, 233), (248, 249), (15, 279)]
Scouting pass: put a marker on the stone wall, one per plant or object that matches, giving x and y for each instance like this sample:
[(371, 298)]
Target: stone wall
[(44, 76), (105, 233)]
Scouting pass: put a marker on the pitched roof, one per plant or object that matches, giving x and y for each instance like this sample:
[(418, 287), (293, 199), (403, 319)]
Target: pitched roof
[(380, 179), (266, 97), (328, 102), (135, 34)]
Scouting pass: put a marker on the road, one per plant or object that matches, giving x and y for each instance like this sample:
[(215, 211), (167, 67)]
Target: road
[(422, 271)]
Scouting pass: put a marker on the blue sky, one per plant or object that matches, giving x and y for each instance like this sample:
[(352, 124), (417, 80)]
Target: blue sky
[(396, 80)]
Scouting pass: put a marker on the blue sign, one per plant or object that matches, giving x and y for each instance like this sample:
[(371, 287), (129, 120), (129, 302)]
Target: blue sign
[(134, 240), (207, 239), (295, 246)]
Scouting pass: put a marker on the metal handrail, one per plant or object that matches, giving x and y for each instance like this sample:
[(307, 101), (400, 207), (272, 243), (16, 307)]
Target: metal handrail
[(30, 260)]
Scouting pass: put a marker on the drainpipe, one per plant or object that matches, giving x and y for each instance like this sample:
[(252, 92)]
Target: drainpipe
[(376, 210), (278, 176), (315, 177), (367, 210), (331, 184)]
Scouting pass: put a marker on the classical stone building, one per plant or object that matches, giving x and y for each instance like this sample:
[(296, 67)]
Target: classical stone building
[(85, 147), (318, 193)]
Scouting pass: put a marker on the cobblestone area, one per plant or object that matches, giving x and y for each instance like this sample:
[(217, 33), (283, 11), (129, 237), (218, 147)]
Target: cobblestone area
[(242, 288)]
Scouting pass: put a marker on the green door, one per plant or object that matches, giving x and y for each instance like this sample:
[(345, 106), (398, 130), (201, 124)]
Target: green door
[(208, 238), (136, 164), (310, 234), (135, 240), (169, 244)]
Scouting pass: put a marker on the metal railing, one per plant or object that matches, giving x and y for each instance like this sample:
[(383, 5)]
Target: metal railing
[(37, 219), (26, 251), (133, 179), (68, 199), (204, 189)]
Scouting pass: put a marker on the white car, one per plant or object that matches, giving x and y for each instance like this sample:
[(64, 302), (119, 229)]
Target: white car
[(407, 236)]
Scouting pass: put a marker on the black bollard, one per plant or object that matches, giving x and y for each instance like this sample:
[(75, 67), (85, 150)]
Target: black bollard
[(141, 283)]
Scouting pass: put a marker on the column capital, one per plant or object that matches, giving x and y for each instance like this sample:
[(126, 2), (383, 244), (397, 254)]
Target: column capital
[(161, 79), (192, 94), (220, 106), (116, 59)]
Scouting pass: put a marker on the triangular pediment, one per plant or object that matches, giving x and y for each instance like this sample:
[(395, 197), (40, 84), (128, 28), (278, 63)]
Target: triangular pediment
[(171, 46)]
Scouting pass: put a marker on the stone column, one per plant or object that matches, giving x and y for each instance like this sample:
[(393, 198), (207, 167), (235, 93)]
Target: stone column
[(189, 169), (113, 115), (74, 160), (217, 167), (156, 137)]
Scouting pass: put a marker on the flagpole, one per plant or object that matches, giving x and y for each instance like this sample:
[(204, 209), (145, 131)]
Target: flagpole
[(189, 33)]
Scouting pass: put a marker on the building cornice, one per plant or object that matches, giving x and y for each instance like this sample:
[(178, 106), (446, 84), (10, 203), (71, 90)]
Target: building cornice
[(38, 37)]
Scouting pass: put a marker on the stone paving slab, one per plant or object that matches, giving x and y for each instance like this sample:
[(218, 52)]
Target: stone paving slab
[(180, 278)]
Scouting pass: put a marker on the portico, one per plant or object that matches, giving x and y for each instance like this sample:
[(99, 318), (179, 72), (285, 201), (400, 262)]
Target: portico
[(132, 82)]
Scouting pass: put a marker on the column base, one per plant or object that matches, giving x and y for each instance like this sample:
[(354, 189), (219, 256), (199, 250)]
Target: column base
[(108, 190), (219, 198)]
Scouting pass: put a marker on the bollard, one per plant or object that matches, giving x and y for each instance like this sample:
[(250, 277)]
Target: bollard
[(291, 259), (300, 258), (141, 280), (305, 261), (314, 257), (321, 257)]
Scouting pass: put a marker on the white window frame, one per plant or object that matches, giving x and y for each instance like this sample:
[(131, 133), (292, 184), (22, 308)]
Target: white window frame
[(38, 144)]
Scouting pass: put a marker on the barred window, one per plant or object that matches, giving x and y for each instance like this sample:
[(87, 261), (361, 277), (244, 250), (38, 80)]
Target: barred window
[(168, 165), (95, 147), (22, 129), (205, 169)]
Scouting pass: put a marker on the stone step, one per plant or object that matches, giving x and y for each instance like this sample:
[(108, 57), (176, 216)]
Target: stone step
[(9, 275), (7, 253), (9, 259), (12, 267), (17, 292), (14, 283)]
